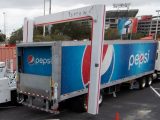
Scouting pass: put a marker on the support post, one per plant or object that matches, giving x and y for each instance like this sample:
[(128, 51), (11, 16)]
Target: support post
[(96, 60)]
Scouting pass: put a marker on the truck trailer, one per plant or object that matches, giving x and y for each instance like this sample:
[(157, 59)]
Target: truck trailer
[(40, 63), (49, 73)]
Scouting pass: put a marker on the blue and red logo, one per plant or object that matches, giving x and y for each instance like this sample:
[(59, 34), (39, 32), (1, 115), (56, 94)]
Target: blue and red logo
[(138, 59), (106, 67), (30, 59), (38, 60)]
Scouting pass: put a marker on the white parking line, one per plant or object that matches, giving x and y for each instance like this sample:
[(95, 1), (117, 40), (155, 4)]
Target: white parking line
[(155, 91), (157, 88)]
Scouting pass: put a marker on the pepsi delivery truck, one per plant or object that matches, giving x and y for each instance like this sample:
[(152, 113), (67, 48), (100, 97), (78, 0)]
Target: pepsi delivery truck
[(40, 63), (49, 73)]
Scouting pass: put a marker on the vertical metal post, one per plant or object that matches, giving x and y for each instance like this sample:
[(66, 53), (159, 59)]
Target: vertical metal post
[(50, 11), (44, 15), (4, 25), (156, 29), (157, 24), (50, 6), (96, 60), (47, 105), (131, 31), (44, 7), (150, 29), (30, 31), (25, 30)]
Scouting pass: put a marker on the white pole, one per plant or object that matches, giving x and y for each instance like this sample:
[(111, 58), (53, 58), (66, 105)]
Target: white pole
[(30, 31), (50, 6), (96, 60), (4, 25), (157, 24), (44, 7), (150, 30), (25, 30), (44, 15), (50, 11)]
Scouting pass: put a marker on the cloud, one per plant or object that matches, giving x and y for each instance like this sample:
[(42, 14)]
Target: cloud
[(26, 4), (22, 4), (16, 10), (15, 16)]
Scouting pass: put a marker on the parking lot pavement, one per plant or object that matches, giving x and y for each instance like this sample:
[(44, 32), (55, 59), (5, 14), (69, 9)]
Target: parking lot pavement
[(130, 104)]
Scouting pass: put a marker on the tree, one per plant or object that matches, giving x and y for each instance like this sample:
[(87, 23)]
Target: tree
[(2, 37), (137, 36), (76, 30), (111, 34), (16, 36), (158, 36)]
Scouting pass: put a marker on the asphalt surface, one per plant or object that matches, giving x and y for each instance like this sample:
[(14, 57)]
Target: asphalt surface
[(130, 104)]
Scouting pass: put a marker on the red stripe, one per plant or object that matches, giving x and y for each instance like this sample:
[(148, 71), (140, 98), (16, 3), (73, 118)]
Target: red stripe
[(105, 47), (86, 64)]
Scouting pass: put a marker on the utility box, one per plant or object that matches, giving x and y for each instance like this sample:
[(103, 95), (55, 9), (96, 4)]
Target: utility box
[(5, 92)]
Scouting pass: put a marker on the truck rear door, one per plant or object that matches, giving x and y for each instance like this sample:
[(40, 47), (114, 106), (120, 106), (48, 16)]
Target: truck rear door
[(35, 70)]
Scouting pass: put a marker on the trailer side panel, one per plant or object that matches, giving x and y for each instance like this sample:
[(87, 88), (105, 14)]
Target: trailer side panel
[(120, 61)]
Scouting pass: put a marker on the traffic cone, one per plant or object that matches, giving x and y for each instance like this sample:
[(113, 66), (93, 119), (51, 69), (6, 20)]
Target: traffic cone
[(117, 116)]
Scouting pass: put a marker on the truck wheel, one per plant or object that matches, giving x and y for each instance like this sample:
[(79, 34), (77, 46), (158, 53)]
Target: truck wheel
[(78, 104), (142, 83), (14, 97), (149, 81), (101, 97)]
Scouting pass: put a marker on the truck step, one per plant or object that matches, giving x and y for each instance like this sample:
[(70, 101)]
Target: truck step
[(42, 109)]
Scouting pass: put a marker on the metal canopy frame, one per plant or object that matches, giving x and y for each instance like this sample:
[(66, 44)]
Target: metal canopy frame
[(97, 14)]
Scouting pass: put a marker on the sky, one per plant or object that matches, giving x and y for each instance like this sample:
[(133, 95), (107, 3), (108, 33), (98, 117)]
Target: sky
[(16, 10)]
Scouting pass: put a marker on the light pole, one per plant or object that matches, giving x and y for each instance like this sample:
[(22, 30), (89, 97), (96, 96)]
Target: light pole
[(44, 15), (50, 11), (4, 25), (50, 6), (158, 11)]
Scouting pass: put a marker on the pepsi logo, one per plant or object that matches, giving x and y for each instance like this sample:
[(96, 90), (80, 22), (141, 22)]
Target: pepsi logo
[(38, 60), (138, 60), (30, 59), (86, 63), (107, 58), (106, 67)]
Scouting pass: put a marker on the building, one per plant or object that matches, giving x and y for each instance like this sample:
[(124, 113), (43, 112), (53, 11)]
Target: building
[(113, 15), (147, 24)]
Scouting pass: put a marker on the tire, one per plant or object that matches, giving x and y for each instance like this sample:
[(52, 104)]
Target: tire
[(78, 104), (142, 83), (14, 97), (100, 102), (158, 76), (149, 81)]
